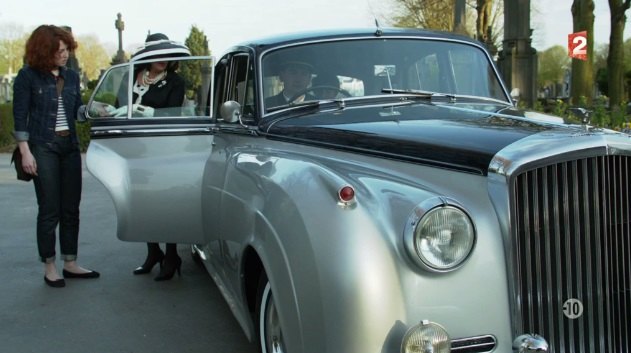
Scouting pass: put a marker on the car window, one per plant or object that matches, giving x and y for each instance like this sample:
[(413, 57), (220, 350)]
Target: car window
[(180, 93), (235, 82), (423, 74), (366, 67), (352, 85)]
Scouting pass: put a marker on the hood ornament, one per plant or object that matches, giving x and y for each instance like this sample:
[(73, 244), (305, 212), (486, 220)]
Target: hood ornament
[(584, 115)]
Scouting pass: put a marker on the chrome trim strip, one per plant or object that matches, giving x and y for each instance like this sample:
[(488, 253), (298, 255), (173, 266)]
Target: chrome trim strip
[(191, 126), (99, 132), (122, 131), (474, 344)]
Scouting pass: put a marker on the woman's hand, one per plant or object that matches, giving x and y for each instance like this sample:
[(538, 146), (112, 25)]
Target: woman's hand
[(143, 110), (28, 161), (137, 110)]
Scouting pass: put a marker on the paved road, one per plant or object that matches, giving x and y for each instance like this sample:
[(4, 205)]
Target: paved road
[(118, 312)]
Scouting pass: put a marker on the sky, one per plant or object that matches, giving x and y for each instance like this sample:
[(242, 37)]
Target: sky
[(229, 22), (552, 22)]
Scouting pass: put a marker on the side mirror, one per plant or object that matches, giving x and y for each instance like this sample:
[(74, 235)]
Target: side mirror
[(230, 111), (81, 114)]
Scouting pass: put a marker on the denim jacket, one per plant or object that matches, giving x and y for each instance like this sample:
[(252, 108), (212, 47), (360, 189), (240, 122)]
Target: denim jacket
[(35, 104)]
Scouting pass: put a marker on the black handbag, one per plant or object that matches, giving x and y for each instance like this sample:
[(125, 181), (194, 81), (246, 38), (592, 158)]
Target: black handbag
[(16, 159)]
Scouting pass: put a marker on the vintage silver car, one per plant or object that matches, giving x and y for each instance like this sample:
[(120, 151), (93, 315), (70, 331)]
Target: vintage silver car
[(415, 209)]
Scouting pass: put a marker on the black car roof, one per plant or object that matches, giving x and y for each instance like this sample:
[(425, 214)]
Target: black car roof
[(305, 36)]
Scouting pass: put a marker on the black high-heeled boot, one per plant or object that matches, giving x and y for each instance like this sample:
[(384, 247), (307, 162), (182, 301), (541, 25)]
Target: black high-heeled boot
[(154, 256), (171, 263)]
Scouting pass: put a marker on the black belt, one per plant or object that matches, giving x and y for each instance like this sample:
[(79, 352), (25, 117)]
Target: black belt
[(63, 133)]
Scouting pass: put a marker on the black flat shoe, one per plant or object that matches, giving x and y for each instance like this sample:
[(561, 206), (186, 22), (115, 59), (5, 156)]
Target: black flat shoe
[(58, 283), (91, 274)]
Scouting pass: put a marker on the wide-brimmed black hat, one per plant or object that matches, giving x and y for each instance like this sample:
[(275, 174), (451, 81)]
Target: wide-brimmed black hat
[(159, 45)]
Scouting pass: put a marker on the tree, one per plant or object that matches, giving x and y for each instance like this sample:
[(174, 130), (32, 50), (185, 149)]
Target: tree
[(92, 56), (430, 14), (600, 68), (553, 62), (12, 40), (615, 60), (484, 9), (488, 27), (439, 15), (197, 42), (600, 56), (582, 70)]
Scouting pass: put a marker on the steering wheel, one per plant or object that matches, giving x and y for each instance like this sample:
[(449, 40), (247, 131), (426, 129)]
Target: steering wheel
[(320, 89)]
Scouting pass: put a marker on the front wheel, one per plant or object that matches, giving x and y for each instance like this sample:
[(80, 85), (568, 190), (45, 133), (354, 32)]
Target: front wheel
[(269, 331)]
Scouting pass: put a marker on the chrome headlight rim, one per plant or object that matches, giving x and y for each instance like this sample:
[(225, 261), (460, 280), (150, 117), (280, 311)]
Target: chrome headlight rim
[(417, 215)]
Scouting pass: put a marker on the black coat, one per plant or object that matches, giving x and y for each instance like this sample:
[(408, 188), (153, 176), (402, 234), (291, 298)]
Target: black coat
[(166, 93), (279, 99)]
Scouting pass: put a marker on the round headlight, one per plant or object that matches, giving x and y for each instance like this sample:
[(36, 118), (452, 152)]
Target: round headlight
[(442, 238), (426, 337)]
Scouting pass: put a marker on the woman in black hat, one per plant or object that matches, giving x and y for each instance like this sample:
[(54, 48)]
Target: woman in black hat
[(158, 87)]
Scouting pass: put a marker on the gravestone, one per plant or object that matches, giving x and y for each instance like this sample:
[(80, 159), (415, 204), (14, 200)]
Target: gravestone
[(518, 59)]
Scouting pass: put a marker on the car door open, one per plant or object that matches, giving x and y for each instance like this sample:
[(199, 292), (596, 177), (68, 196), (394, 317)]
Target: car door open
[(152, 160)]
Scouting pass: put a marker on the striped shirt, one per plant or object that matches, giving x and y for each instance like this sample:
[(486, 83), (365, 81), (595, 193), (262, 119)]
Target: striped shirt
[(62, 121)]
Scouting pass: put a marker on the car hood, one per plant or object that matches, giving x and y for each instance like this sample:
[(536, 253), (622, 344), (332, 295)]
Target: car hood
[(460, 136)]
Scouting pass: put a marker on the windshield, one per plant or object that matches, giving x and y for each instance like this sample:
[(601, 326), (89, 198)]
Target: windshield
[(355, 68)]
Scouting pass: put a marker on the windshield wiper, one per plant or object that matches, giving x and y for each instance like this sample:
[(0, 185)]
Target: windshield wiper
[(423, 94), (312, 103), (336, 103)]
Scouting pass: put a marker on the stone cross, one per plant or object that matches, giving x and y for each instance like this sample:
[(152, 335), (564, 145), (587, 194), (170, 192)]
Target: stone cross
[(119, 24)]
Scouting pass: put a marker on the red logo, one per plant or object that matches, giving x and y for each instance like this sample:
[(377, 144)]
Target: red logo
[(577, 45)]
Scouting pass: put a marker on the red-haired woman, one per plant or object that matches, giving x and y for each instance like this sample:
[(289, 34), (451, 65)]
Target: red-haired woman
[(46, 97)]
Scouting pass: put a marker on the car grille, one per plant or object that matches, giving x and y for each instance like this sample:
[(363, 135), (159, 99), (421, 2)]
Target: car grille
[(571, 239)]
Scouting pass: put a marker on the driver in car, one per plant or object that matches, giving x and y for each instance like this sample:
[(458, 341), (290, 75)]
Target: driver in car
[(296, 77)]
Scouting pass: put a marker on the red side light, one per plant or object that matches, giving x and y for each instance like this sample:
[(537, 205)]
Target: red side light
[(346, 194)]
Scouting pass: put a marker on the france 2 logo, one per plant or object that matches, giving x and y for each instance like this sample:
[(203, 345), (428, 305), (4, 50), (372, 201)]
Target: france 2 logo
[(577, 45)]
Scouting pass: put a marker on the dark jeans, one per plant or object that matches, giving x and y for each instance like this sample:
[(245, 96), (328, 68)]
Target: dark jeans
[(58, 190)]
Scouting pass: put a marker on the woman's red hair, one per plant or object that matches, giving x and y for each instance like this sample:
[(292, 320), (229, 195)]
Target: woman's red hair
[(44, 43)]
